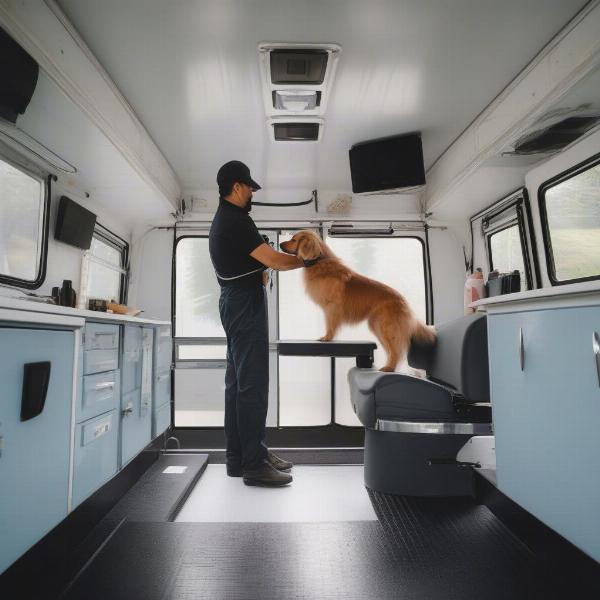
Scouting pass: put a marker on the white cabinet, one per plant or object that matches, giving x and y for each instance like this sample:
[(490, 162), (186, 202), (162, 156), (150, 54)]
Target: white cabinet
[(546, 409), (34, 450), (136, 391)]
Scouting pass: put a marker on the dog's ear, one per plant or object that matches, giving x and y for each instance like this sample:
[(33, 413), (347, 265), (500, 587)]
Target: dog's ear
[(308, 248)]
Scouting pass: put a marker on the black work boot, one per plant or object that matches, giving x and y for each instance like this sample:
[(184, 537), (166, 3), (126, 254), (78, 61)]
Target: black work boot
[(265, 475), (234, 470), (279, 463)]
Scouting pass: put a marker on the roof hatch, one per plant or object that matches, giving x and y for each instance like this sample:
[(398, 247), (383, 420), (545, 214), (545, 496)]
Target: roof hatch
[(296, 81)]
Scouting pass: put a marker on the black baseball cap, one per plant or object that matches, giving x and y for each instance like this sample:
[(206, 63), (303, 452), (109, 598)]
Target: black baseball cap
[(236, 172)]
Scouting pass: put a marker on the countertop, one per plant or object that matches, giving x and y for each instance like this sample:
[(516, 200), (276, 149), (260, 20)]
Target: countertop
[(29, 306), (557, 294)]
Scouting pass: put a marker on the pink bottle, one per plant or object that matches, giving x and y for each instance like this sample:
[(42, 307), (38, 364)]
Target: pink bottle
[(474, 289)]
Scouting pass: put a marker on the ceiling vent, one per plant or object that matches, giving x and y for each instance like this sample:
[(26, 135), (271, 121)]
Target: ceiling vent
[(555, 137), (296, 129), (555, 131), (296, 80), (292, 67)]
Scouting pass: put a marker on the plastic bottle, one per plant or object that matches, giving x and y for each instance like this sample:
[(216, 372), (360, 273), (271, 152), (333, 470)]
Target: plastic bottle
[(474, 289)]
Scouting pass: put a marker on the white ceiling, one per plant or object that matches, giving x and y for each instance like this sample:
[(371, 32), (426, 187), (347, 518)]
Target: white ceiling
[(190, 70)]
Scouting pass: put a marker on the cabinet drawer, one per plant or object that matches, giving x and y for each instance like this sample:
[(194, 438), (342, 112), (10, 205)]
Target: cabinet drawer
[(100, 394), (99, 336), (162, 388), (95, 455), (161, 419), (98, 361)]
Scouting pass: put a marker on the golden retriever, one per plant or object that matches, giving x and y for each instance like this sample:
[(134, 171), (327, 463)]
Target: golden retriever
[(347, 297)]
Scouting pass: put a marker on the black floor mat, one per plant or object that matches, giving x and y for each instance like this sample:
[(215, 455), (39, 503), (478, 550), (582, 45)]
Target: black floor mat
[(457, 539), (449, 549)]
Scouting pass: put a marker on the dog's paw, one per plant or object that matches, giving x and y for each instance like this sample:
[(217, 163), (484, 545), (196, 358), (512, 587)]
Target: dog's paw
[(387, 369), (325, 338)]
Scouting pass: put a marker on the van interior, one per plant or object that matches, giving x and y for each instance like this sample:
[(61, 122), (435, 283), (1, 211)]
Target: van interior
[(449, 150)]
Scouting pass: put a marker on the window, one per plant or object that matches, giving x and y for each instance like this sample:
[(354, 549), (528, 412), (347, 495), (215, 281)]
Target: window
[(196, 291), (307, 401), (506, 252), (104, 272), (23, 227), (504, 231), (570, 209)]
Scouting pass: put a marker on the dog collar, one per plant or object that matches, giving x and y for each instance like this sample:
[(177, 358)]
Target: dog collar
[(312, 261)]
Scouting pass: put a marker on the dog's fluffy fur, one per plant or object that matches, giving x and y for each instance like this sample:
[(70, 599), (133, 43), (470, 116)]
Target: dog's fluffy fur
[(347, 297)]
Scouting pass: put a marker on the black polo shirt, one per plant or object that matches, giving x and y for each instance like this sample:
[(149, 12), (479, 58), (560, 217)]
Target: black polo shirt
[(233, 235)]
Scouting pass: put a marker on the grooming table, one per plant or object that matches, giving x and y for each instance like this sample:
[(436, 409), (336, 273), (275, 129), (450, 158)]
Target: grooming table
[(363, 351)]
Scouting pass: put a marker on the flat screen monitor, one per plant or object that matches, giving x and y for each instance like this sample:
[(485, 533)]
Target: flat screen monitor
[(387, 163), (74, 224)]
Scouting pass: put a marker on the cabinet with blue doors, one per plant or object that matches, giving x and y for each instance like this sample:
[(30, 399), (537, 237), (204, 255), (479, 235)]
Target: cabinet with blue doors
[(136, 390), (36, 372), (95, 452), (161, 407), (545, 387)]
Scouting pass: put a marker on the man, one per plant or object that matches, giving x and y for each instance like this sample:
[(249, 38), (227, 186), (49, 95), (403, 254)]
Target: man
[(240, 255)]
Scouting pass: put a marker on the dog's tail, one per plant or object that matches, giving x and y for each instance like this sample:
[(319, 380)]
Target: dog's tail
[(423, 334)]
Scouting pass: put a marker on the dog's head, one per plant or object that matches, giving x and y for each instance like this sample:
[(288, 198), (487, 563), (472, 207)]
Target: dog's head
[(305, 244)]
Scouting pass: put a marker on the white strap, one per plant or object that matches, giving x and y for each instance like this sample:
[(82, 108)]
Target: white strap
[(239, 276)]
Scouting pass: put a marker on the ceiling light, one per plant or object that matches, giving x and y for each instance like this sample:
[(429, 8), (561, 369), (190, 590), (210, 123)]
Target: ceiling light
[(296, 100)]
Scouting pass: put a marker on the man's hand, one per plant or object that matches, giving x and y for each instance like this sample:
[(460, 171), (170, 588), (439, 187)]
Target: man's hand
[(276, 260)]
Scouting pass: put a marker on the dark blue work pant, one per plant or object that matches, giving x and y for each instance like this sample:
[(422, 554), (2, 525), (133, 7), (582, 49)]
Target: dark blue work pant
[(243, 311)]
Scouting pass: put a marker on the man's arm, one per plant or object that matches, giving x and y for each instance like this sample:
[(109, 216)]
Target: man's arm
[(276, 260)]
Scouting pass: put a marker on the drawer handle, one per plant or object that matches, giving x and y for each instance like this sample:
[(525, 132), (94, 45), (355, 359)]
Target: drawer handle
[(521, 350), (105, 386), (127, 411), (100, 430), (596, 348)]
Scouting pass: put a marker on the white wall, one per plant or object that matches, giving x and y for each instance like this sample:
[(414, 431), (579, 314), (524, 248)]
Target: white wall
[(534, 178), (580, 152), (64, 261), (447, 274), (150, 280)]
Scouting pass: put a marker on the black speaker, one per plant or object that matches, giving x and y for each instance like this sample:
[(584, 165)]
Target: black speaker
[(387, 163), (74, 224), (18, 78)]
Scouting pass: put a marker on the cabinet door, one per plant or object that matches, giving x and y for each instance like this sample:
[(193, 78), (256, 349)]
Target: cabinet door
[(136, 424), (131, 368), (546, 418), (34, 459)]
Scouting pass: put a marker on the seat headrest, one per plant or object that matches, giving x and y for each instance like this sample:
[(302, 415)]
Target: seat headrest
[(459, 357)]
